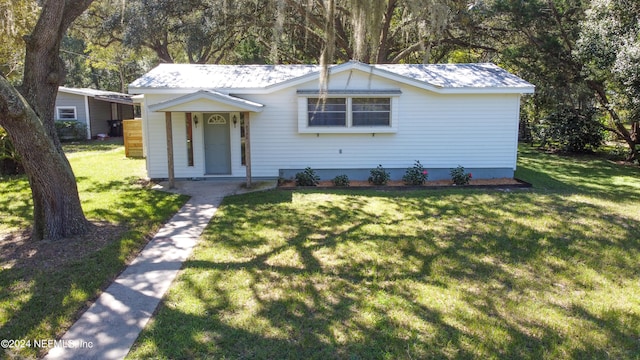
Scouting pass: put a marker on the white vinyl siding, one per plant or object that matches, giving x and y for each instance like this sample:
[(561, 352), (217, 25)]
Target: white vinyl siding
[(66, 100), (441, 131), (156, 140)]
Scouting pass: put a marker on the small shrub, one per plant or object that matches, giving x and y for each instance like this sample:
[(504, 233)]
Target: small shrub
[(71, 130), (379, 176), (415, 175), (341, 180), (307, 177), (282, 181), (459, 177)]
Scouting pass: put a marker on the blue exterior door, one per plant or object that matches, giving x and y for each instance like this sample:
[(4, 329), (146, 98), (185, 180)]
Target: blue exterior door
[(217, 150)]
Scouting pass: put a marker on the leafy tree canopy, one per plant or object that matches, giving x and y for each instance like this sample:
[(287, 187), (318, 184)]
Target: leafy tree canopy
[(19, 18)]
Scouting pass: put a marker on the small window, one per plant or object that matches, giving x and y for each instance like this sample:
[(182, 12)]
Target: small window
[(371, 111), (67, 113), (327, 112)]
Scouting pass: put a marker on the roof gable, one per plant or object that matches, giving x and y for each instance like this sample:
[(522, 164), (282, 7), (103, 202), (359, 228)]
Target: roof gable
[(440, 78), (192, 102)]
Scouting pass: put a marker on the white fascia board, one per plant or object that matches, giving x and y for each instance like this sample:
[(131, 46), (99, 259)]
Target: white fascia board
[(398, 78), (366, 69), (333, 70), (186, 91), (351, 65), (62, 89), (489, 90), (301, 79), (72, 91), (156, 91), (88, 92), (137, 99), (242, 104)]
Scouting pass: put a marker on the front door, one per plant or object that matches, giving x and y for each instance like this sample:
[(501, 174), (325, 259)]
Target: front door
[(217, 151)]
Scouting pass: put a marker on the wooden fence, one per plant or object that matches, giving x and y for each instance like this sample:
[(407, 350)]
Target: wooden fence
[(132, 131)]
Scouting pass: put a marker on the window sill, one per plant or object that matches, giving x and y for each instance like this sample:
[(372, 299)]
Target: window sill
[(348, 130)]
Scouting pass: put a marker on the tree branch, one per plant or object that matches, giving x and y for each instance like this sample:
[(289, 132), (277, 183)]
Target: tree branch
[(12, 104)]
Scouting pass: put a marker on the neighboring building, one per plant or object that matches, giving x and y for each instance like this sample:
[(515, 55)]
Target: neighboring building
[(101, 111), (274, 120)]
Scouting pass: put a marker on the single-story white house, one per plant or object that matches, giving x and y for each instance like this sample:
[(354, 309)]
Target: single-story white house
[(269, 121), (100, 111)]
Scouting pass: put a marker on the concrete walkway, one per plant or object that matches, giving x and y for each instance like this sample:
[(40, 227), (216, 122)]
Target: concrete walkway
[(108, 329)]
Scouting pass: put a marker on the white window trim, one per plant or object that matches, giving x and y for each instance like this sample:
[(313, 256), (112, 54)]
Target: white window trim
[(303, 116), (75, 112), (347, 104)]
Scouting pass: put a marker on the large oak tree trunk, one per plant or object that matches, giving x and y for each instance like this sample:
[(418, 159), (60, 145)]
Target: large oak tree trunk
[(57, 212), (29, 120)]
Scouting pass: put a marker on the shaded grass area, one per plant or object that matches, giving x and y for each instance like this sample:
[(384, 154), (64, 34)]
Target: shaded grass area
[(101, 171), (545, 273), (93, 145), (15, 203), (579, 174), (40, 303)]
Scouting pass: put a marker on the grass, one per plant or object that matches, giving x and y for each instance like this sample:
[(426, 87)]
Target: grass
[(97, 166), (546, 273), (92, 145), (40, 303)]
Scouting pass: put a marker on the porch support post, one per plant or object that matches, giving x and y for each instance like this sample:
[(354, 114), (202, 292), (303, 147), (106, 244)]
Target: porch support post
[(172, 180), (247, 146)]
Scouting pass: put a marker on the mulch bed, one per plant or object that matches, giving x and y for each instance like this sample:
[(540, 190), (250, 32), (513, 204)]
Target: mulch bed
[(503, 183), (17, 250)]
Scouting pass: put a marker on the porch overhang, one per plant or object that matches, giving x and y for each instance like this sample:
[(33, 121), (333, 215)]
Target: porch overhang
[(206, 100)]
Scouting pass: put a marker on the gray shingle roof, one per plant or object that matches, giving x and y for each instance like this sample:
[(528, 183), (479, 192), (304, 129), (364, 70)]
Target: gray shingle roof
[(230, 77)]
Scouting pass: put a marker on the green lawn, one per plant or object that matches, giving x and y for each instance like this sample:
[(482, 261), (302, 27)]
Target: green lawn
[(40, 303), (551, 272)]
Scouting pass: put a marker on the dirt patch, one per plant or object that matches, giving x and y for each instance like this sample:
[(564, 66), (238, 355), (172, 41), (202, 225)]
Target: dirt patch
[(506, 182), (17, 250)]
